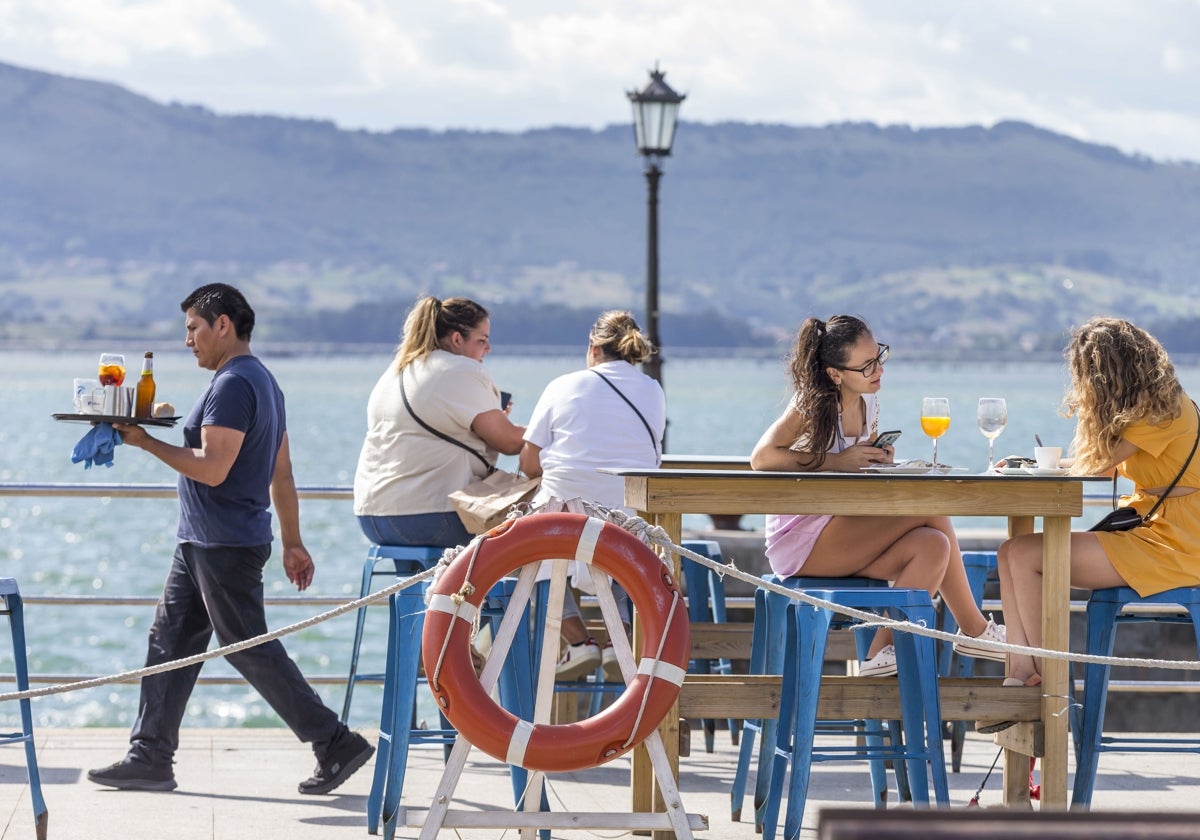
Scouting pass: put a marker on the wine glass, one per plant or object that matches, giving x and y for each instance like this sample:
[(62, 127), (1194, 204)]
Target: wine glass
[(112, 369), (935, 419), (992, 416)]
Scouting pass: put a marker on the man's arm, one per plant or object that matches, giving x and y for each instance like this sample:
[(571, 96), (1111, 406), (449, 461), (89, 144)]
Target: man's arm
[(210, 464), (297, 562)]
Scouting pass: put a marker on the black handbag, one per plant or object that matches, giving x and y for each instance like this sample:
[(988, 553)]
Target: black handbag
[(1126, 518)]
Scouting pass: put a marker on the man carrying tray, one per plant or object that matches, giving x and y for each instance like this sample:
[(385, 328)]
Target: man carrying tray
[(234, 464)]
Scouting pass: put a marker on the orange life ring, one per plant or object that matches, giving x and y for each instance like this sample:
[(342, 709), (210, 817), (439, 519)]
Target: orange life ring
[(595, 740)]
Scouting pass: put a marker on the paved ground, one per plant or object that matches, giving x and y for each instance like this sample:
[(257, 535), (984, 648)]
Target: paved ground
[(241, 785)]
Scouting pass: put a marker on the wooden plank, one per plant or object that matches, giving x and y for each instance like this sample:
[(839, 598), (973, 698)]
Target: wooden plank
[(1000, 824), (682, 491), (551, 820), (977, 698)]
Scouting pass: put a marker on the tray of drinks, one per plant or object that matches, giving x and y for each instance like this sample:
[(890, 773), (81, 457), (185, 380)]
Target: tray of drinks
[(72, 417)]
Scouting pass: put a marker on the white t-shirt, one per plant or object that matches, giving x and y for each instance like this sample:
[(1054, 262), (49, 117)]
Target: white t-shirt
[(402, 468), (581, 425)]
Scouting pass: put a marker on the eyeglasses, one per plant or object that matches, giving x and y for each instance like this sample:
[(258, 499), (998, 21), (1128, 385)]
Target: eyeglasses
[(870, 367)]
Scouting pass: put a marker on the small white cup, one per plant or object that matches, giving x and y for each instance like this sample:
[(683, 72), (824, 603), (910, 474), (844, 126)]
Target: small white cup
[(89, 397), (1047, 457)]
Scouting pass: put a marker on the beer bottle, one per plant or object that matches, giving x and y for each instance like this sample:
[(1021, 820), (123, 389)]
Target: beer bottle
[(144, 405)]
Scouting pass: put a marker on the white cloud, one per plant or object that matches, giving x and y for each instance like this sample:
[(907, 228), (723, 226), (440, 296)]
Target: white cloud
[(1115, 71)]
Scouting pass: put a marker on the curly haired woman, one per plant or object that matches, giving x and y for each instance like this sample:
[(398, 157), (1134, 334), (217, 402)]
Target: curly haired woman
[(1132, 416)]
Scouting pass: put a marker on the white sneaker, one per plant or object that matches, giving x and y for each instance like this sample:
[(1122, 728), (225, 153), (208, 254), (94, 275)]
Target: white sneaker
[(578, 660), (612, 668), (966, 645), (882, 664)]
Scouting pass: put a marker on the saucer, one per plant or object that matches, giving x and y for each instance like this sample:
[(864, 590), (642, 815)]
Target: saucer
[(1046, 470)]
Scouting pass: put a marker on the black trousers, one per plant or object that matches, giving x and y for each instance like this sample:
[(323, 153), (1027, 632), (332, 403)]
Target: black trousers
[(221, 590)]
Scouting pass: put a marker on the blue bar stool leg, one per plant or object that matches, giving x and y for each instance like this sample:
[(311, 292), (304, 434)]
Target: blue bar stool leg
[(776, 615), (1101, 633), (758, 661), (16, 618), (808, 630), (716, 595), (410, 616), (387, 722), (359, 624)]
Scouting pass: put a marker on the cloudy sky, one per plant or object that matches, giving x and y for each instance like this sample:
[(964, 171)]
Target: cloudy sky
[(1120, 72)]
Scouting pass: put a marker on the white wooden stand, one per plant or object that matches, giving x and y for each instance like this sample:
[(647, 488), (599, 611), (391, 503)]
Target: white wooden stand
[(531, 819)]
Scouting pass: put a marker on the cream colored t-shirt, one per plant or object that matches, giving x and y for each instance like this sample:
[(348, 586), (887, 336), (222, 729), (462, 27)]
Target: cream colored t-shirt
[(402, 468)]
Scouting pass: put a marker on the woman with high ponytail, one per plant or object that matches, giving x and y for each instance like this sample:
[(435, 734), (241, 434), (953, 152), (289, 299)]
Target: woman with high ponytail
[(831, 424), (405, 472)]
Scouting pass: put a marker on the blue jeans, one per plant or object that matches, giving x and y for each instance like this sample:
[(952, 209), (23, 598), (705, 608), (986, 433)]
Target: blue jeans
[(443, 530), (221, 590)]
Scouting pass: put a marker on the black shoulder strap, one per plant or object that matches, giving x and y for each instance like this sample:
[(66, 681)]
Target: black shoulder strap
[(649, 431), (490, 468)]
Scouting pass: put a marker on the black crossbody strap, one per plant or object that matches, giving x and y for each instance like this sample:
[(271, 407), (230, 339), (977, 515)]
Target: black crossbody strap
[(490, 468), (649, 431), (1182, 470)]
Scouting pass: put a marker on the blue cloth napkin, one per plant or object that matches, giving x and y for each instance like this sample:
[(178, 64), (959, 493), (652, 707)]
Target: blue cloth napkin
[(96, 447)]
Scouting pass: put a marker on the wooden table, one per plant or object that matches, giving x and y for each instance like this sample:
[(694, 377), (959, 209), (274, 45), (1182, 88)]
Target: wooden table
[(664, 495)]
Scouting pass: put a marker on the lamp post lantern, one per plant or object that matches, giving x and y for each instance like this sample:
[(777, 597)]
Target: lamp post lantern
[(655, 109)]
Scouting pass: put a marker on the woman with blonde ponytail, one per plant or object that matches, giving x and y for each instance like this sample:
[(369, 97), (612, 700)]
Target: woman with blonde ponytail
[(405, 472), (830, 425)]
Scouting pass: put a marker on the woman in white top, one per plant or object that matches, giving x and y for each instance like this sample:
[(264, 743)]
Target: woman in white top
[(405, 472), (831, 424), (609, 415)]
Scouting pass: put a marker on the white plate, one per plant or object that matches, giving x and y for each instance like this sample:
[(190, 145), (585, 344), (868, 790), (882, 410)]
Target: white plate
[(904, 469), (1045, 470), (1011, 471)]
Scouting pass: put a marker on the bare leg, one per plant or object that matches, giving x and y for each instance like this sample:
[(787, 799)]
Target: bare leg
[(902, 549), (1020, 565), (955, 588)]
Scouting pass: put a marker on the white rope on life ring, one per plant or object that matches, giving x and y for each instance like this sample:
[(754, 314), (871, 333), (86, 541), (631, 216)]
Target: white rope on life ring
[(455, 600)]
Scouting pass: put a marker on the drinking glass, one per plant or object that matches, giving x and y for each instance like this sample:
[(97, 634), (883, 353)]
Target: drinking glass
[(935, 419), (112, 369), (992, 416)]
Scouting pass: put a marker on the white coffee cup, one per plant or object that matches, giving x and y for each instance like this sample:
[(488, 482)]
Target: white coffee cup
[(89, 396), (1047, 457)]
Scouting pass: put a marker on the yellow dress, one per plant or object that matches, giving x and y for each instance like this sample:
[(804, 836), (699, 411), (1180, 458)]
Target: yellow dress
[(1165, 554)]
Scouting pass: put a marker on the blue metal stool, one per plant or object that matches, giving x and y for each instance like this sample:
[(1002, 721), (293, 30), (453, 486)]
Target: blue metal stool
[(767, 657), (978, 564), (807, 632), (1103, 615), (706, 602), (13, 608), (401, 561), (400, 695)]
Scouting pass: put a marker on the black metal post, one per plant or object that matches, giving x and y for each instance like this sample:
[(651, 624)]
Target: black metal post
[(652, 366)]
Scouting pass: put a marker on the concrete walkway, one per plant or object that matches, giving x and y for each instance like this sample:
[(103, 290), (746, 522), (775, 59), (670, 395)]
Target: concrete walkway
[(240, 784)]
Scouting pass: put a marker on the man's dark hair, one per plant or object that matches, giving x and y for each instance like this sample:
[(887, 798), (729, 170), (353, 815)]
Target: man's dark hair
[(216, 299)]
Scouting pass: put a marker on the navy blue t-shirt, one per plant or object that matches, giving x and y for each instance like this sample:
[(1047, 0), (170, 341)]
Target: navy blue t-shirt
[(242, 395)]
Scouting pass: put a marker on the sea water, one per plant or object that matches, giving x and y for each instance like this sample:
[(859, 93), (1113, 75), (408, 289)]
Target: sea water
[(121, 546)]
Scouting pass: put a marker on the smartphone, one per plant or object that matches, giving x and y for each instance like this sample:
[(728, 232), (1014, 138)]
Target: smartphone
[(886, 439), (505, 399)]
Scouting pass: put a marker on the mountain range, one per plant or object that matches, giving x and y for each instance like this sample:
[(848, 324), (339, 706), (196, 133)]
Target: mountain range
[(972, 238)]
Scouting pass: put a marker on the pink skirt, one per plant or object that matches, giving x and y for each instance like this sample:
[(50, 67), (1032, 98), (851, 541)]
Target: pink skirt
[(790, 540)]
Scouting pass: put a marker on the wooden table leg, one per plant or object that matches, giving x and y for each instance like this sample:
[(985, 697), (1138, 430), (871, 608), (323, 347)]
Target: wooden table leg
[(1016, 764), (1056, 599), (643, 786)]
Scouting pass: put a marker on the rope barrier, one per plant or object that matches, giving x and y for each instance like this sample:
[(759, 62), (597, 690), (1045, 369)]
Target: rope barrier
[(129, 676), (652, 535)]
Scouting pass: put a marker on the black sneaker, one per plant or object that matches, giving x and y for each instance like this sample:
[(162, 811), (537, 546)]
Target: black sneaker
[(134, 774), (339, 765)]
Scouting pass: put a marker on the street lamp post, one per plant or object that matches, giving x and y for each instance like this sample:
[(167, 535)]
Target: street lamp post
[(655, 109)]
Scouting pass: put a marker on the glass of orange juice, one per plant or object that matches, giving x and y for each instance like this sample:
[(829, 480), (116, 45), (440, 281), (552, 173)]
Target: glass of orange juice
[(935, 419), (112, 369)]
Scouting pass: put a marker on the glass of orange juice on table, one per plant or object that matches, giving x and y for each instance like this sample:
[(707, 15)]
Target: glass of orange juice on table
[(935, 419), (112, 369)]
